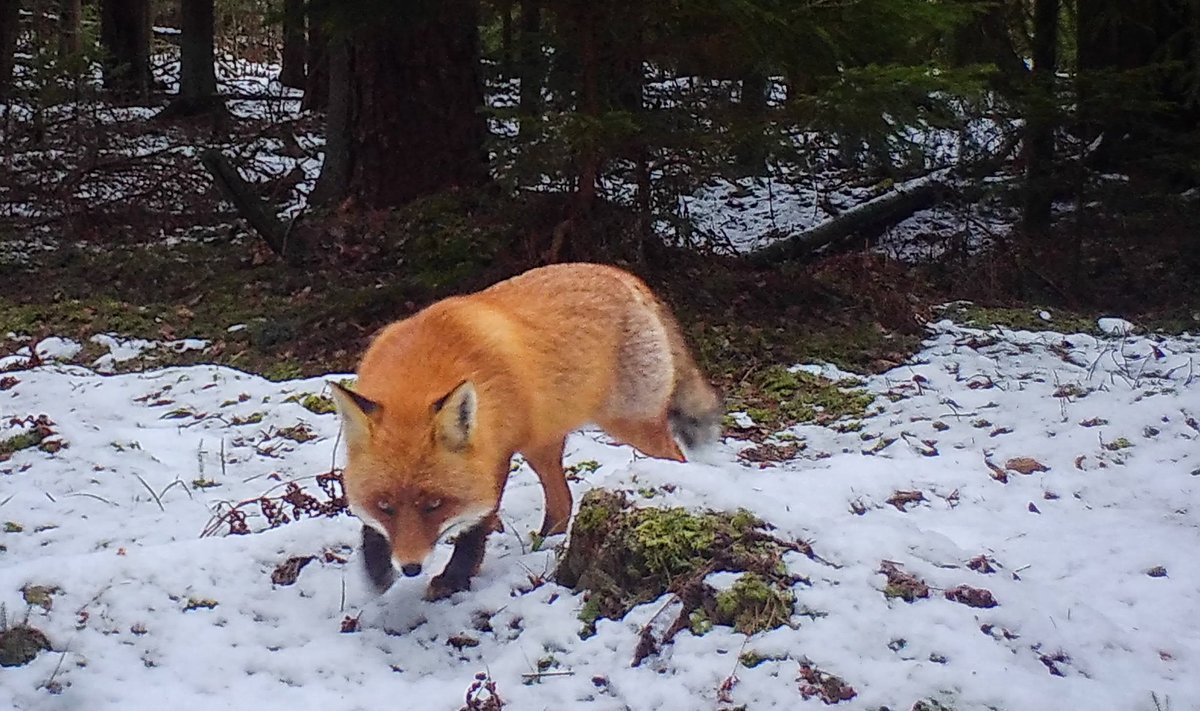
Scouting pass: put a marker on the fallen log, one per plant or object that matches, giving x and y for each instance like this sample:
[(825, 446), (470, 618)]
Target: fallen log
[(250, 206), (869, 219)]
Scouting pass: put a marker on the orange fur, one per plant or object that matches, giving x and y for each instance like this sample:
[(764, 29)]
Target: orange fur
[(447, 396)]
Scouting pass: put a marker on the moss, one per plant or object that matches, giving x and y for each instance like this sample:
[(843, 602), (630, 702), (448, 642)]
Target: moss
[(40, 595), (286, 370), (13, 527), (297, 433), (588, 614), (1021, 318), (624, 555), (252, 419), (578, 469), (699, 622), (1118, 444), (668, 542), (318, 404), (24, 440), (753, 605), (197, 603), (777, 398)]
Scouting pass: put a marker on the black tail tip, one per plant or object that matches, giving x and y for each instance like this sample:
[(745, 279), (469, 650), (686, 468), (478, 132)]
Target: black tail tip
[(694, 432)]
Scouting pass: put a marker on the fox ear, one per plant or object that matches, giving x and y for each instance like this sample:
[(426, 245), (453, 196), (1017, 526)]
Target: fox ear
[(357, 413), (454, 416)]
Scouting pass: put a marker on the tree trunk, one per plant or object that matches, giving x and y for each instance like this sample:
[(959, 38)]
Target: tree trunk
[(334, 181), (295, 45), (987, 39), (532, 67), (1041, 120), (10, 17), (70, 40), (125, 36), (197, 70), (589, 157), (1137, 80), (505, 7), (416, 93), (751, 149), (316, 83)]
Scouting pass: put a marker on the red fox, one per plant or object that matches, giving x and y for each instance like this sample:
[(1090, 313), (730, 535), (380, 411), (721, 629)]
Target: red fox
[(446, 397)]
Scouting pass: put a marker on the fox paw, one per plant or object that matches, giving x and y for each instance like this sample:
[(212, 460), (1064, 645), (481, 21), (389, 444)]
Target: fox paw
[(444, 585)]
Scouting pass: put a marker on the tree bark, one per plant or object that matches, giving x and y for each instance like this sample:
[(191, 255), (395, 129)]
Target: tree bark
[(751, 150), (334, 181), (1137, 79), (10, 16), (70, 41), (987, 39), (125, 36), (197, 67), (531, 69), (416, 97), (505, 7), (316, 84), (295, 45), (1040, 120)]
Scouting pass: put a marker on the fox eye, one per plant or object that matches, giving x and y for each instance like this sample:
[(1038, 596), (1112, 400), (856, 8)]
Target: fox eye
[(433, 505), (385, 508)]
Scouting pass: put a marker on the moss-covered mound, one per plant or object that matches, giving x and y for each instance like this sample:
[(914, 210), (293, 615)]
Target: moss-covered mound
[(623, 556), (20, 644)]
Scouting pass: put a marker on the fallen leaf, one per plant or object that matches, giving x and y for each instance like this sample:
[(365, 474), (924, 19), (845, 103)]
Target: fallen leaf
[(1025, 465), (900, 499), (288, 571), (971, 597)]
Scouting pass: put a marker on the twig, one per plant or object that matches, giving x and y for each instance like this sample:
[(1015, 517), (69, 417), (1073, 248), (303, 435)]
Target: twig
[(530, 676), (157, 500)]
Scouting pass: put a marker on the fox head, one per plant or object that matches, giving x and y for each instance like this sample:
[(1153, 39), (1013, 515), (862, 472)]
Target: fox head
[(416, 473)]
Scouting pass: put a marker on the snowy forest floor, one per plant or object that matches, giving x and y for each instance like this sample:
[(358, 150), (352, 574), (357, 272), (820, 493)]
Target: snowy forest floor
[(1058, 472)]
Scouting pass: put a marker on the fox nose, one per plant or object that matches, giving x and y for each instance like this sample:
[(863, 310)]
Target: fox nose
[(411, 569)]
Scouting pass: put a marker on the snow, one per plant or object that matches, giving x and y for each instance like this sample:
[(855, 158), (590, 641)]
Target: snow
[(121, 350), (1115, 326), (113, 521), (53, 348)]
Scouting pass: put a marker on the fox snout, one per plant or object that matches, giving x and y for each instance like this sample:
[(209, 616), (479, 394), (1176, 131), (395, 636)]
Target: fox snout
[(411, 570)]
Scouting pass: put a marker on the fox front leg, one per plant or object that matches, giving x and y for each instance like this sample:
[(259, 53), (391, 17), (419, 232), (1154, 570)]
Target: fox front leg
[(464, 563), (377, 557)]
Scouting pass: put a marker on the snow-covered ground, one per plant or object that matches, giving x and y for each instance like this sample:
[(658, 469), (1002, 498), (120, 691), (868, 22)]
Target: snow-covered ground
[(1095, 565)]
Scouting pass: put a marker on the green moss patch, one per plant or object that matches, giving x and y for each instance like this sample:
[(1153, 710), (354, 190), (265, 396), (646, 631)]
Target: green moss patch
[(776, 398), (1028, 318), (40, 595), (14, 444), (316, 404), (623, 556)]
